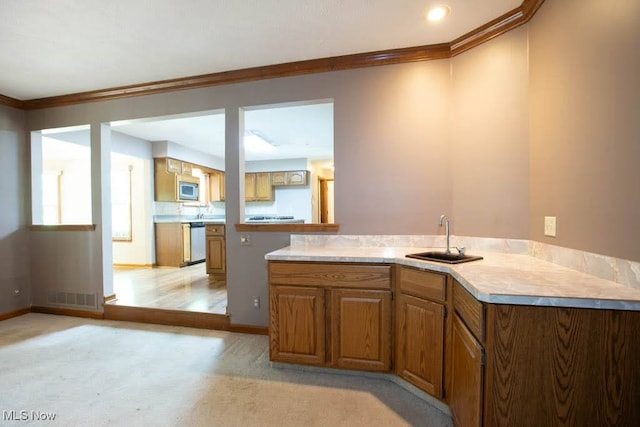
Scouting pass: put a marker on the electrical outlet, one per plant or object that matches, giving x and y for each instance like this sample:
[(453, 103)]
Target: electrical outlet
[(245, 240), (256, 302), (550, 226)]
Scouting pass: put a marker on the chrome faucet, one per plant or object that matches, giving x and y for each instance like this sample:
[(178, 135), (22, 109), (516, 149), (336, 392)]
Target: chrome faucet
[(444, 220)]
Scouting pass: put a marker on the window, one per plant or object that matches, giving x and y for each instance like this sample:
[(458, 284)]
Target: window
[(61, 176)]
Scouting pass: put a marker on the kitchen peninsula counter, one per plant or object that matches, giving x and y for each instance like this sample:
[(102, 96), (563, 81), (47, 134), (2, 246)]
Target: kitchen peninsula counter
[(499, 278)]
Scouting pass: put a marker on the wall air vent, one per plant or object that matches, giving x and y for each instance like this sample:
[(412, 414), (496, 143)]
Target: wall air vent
[(72, 299)]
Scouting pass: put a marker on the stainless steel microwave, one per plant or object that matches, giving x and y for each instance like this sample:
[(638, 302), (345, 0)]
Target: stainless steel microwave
[(188, 188)]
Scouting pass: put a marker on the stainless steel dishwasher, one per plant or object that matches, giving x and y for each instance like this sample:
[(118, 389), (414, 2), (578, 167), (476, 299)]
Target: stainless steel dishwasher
[(197, 234)]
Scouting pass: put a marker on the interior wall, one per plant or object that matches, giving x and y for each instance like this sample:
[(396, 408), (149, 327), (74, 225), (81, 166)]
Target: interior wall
[(14, 236), (585, 125), (490, 139)]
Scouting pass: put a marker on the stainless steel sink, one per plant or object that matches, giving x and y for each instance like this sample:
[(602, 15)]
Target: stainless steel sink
[(450, 258)]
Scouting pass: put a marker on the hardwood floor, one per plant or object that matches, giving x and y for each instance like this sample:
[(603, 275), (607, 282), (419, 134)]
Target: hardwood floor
[(187, 288)]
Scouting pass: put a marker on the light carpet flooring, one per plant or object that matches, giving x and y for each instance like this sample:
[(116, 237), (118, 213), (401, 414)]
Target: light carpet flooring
[(97, 373)]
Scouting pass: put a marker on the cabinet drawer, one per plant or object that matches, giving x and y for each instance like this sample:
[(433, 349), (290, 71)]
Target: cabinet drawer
[(470, 310), (330, 275), (423, 284), (214, 230)]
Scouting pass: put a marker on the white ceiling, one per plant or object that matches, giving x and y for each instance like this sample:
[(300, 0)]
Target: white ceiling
[(297, 131), (50, 48), (60, 47)]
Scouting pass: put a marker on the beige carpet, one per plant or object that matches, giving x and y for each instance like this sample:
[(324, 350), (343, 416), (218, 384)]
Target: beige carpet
[(96, 373)]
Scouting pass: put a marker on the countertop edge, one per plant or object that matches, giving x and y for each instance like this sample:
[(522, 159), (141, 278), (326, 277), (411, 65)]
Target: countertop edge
[(487, 297)]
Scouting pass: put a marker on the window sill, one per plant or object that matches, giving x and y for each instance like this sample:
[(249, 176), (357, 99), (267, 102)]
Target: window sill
[(63, 227)]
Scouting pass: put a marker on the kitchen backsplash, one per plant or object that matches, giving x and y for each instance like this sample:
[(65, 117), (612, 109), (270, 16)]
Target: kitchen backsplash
[(617, 270), (179, 209)]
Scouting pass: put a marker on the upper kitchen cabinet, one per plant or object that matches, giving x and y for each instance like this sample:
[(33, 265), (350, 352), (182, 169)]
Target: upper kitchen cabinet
[(283, 178), (257, 187), (168, 185)]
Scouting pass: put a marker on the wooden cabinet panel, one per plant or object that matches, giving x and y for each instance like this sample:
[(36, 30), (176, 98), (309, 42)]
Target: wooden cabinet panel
[(278, 178), (297, 178), (285, 178), (173, 165), (550, 366), (249, 186), (216, 259), (186, 169), (361, 329), (423, 284), (467, 377), (470, 310), (264, 190), (420, 326), (330, 275), (257, 187), (297, 324), (216, 186), (169, 244)]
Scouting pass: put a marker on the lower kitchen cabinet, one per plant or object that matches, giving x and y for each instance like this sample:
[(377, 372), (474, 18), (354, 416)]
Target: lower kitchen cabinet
[(467, 376), (422, 328), (297, 324), (216, 260), (420, 343), (336, 315), (361, 329), (173, 244)]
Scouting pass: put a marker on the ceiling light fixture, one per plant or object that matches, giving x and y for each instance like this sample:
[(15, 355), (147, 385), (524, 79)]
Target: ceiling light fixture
[(257, 143), (437, 13)]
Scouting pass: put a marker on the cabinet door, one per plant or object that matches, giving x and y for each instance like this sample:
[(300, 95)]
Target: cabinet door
[(297, 178), (249, 186), (186, 243), (466, 376), (361, 329), (420, 343), (297, 324), (174, 166), (278, 178), (264, 191), (216, 259)]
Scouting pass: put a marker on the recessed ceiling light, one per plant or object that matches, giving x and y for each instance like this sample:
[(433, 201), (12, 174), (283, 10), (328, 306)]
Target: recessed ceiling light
[(437, 13)]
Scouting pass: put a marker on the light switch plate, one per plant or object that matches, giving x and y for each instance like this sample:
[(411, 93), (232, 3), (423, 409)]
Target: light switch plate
[(550, 226), (245, 240)]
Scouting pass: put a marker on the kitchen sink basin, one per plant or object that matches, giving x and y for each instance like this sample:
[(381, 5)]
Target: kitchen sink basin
[(450, 258)]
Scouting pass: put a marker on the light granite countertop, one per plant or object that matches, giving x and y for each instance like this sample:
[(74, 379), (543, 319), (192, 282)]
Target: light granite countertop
[(499, 278)]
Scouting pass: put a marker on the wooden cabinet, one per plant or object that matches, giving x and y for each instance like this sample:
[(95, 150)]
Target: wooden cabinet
[(216, 260), (186, 169), (257, 187), (467, 376), (283, 178), (297, 324), (166, 179), (420, 343), (216, 186), (173, 244), (421, 329), (345, 306), (361, 329), (173, 165)]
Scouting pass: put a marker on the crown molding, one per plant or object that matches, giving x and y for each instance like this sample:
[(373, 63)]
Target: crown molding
[(12, 102), (488, 31)]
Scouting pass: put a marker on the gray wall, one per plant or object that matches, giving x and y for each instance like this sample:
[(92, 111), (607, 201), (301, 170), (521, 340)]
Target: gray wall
[(585, 125), (14, 236), (540, 121)]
